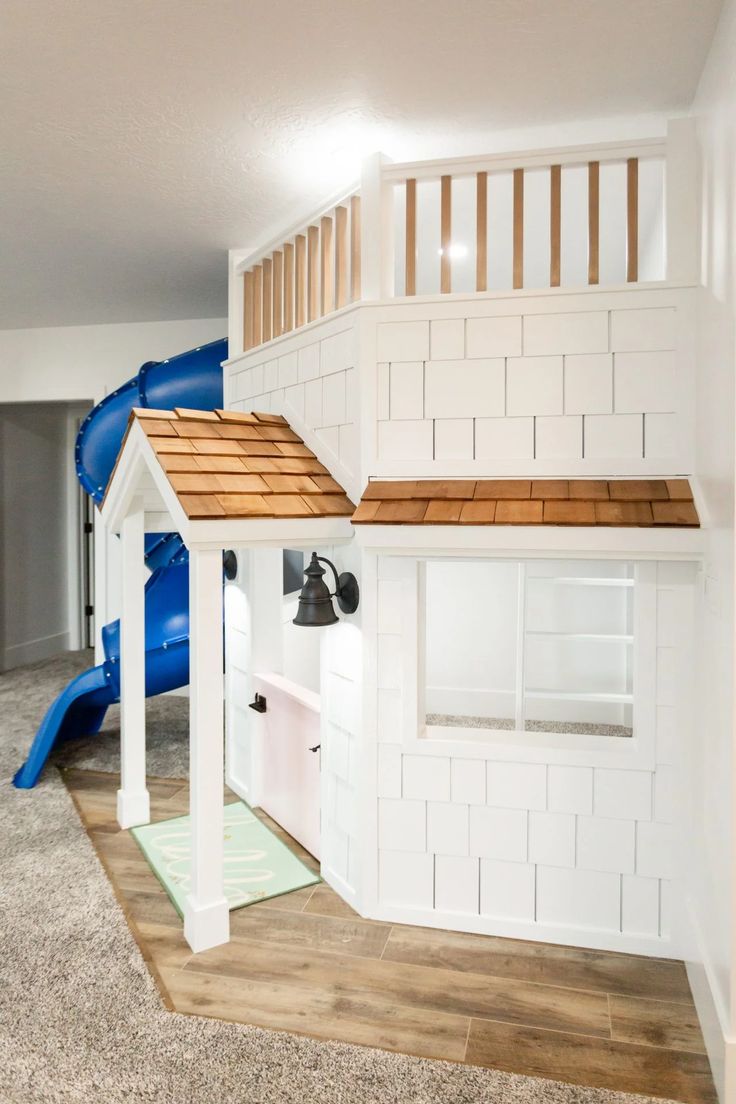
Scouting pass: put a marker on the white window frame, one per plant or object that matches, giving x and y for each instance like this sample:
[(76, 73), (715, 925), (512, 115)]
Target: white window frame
[(636, 752)]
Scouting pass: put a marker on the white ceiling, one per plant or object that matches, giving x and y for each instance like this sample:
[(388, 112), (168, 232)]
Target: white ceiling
[(139, 139)]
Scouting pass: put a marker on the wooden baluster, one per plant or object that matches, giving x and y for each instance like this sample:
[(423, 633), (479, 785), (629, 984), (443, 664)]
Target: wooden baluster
[(481, 231), (288, 287), (267, 298), (555, 224), (341, 256), (327, 291), (257, 305), (445, 234), (278, 293), (312, 272), (354, 248), (593, 221), (410, 280), (301, 280), (632, 219), (247, 311), (518, 228)]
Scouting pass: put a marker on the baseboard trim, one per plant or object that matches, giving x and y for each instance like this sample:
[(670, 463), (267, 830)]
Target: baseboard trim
[(590, 938), (340, 886), (33, 651), (180, 692)]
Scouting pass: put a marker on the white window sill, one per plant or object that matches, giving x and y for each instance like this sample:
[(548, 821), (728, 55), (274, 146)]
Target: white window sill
[(569, 749)]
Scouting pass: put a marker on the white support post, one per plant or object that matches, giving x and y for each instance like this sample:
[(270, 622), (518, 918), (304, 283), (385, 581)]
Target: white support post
[(206, 915), (133, 802), (682, 191), (376, 231)]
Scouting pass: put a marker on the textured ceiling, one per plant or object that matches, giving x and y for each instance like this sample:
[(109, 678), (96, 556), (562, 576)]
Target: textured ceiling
[(139, 139)]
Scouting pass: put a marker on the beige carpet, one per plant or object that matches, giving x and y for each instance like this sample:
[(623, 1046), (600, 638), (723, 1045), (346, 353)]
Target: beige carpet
[(80, 1017)]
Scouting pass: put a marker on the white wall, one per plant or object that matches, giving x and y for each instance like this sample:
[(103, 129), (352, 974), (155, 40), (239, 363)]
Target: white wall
[(38, 523), (712, 868), (85, 362)]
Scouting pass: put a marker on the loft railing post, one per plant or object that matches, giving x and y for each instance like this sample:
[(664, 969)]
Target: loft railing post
[(236, 301), (682, 189), (376, 231)]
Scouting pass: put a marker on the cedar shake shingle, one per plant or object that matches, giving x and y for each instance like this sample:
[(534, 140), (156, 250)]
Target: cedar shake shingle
[(521, 511), (622, 502), (228, 464), (578, 512)]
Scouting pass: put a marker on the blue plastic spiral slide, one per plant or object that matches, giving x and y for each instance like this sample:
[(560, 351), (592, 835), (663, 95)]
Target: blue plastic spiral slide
[(194, 380)]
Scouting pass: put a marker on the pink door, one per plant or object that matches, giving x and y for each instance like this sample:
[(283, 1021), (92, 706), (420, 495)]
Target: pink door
[(290, 770)]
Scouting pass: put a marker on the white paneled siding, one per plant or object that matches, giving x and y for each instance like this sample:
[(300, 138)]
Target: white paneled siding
[(549, 849), (590, 382), (578, 383)]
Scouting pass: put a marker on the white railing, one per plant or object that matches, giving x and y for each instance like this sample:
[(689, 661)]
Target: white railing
[(597, 215), (536, 220)]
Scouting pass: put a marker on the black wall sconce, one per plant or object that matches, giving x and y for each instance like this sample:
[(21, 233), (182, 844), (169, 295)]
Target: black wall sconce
[(315, 601)]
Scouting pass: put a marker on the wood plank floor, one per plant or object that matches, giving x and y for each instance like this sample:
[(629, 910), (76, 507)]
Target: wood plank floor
[(306, 963)]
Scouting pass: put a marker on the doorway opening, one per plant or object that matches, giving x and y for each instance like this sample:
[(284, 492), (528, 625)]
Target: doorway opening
[(46, 535)]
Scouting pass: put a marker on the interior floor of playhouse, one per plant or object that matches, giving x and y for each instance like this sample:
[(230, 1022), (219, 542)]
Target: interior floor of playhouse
[(306, 963)]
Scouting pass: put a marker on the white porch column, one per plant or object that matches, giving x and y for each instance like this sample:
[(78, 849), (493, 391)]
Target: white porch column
[(206, 915), (133, 803)]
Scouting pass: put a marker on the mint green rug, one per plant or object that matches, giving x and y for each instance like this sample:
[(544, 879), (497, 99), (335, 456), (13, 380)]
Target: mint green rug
[(257, 864)]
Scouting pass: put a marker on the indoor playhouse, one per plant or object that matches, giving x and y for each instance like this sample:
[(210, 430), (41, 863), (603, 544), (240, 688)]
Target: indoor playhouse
[(470, 384)]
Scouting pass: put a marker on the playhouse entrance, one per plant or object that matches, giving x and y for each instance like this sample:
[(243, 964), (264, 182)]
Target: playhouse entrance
[(290, 727)]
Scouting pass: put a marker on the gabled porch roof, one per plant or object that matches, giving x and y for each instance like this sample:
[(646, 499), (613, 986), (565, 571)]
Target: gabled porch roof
[(224, 478)]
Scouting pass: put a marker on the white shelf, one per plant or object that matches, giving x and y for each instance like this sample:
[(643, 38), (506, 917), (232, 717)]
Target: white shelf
[(606, 638), (571, 695)]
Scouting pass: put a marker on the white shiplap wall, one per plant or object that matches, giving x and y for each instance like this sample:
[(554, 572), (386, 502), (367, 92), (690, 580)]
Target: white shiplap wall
[(566, 851)]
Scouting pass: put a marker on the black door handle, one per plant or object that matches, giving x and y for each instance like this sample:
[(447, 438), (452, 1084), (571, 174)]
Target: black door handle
[(259, 704)]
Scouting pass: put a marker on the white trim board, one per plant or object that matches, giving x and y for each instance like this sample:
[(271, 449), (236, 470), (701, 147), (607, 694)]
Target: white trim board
[(33, 651), (538, 541), (720, 1042), (597, 939)]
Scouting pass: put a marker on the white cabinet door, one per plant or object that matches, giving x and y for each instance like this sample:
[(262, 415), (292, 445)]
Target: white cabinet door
[(290, 770)]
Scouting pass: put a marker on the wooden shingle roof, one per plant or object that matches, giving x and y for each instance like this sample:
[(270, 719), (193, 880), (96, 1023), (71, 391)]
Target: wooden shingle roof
[(611, 502), (228, 464)]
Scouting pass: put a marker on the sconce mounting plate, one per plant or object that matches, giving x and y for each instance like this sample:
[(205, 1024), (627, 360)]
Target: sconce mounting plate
[(348, 592)]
